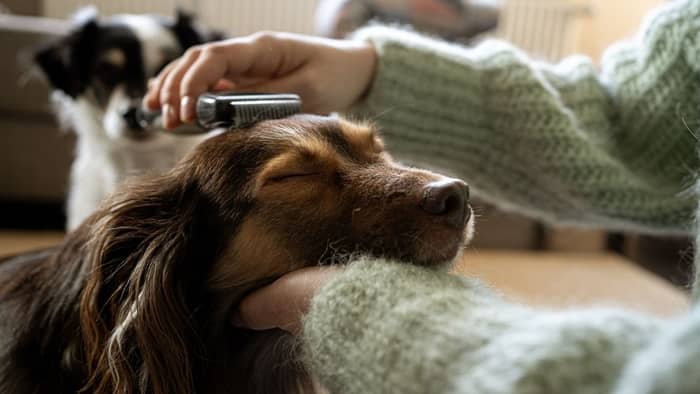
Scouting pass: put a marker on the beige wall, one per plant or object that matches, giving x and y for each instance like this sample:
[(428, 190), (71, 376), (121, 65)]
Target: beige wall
[(610, 21), (236, 17), (553, 29), (607, 21)]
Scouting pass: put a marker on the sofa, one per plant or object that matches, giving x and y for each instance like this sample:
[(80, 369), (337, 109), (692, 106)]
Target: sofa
[(35, 154)]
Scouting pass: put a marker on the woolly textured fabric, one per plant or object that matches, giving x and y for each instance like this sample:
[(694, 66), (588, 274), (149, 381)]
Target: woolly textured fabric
[(386, 327), (562, 143), (696, 282)]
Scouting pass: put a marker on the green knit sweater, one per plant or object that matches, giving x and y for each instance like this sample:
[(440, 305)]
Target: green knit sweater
[(565, 143)]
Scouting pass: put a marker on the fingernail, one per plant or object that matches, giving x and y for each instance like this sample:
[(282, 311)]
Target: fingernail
[(168, 116), (187, 112)]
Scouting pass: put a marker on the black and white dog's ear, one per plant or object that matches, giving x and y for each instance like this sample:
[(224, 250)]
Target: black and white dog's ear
[(67, 61), (189, 34)]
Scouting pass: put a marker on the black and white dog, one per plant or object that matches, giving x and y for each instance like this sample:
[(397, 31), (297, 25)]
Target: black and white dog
[(99, 73)]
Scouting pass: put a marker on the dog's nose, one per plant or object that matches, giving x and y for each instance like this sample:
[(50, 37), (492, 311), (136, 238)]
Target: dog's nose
[(130, 116), (447, 198)]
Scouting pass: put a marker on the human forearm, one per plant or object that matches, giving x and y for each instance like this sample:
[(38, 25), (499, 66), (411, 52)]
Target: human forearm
[(562, 143)]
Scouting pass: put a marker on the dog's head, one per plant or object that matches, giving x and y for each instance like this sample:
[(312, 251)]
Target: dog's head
[(105, 63), (171, 256), (317, 190)]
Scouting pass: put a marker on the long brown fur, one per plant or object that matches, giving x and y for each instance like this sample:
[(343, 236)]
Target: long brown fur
[(137, 300)]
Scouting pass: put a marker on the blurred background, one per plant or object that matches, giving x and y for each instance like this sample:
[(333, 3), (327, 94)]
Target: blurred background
[(35, 154)]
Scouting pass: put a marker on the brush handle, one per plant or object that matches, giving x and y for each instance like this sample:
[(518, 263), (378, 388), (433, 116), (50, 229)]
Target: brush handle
[(230, 110)]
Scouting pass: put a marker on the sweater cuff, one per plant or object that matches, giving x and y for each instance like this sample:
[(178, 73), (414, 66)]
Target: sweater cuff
[(386, 327), (379, 315)]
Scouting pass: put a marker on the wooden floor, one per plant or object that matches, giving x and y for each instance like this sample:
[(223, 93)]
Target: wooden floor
[(562, 280), (12, 242), (555, 280)]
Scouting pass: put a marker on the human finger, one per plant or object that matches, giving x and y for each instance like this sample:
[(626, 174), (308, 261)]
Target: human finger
[(170, 90), (201, 76), (151, 100)]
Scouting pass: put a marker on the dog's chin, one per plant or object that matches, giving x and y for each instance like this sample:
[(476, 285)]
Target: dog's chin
[(136, 140), (138, 135), (437, 249), (445, 256), (450, 249), (119, 132)]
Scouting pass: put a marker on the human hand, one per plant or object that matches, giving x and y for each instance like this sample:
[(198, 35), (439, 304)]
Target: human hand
[(284, 302), (329, 75)]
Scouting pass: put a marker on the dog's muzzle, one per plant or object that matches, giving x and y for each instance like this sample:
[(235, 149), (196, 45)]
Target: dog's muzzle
[(136, 118)]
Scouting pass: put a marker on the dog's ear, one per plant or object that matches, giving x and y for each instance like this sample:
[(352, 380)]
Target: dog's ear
[(188, 34), (148, 258), (67, 62)]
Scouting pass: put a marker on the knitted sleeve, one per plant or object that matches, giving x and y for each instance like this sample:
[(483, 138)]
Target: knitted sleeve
[(383, 327), (563, 142)]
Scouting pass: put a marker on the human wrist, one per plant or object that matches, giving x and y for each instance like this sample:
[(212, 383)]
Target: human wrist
[(366, 59)]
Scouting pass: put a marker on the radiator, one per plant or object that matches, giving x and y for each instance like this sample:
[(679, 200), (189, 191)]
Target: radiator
[(236, 17), (546, 29)]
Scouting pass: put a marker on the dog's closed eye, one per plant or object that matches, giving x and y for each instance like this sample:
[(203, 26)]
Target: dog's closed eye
[(288, 170), (294, 166), (290, 176)]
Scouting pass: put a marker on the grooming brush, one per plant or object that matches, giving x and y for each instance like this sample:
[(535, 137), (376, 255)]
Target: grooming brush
[(230, 110)]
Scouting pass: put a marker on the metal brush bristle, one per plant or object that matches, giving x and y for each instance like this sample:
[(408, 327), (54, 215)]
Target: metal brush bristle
[(236, 110), (250, 113)]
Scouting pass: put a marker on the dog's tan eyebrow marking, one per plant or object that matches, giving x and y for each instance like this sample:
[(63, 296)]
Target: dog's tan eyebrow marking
[(361, 136), (304, 156), (286, 162), (114, 56), (252, 243)]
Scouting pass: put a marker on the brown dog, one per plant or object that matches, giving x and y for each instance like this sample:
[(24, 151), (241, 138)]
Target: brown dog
[(138, 298)]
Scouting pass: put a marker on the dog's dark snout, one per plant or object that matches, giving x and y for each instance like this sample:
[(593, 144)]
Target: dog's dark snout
[(447, 198)]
